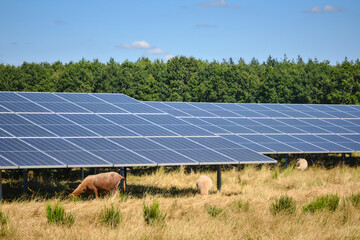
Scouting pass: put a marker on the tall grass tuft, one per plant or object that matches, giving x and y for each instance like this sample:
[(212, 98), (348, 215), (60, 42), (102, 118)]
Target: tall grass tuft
[(275, 173), (111, 216), (213, 210), (56, 214), (329, 202), (284, 205), (3, 224), (355, 199), (152, 213)]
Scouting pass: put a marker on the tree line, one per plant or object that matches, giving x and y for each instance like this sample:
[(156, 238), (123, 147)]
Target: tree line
[(194, 80)]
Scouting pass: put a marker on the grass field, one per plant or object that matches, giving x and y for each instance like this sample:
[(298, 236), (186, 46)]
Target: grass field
[(240, 211)]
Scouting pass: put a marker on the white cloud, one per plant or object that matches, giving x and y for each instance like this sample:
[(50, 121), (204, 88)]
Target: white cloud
[(155, 51), (329, 8), (315, 9), (222, 3), (168, 57), (135, 45)]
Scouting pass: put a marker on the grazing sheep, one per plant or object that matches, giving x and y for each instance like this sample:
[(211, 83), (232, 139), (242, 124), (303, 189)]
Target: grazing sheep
[(204, 184), (103, 182), (302, 164)]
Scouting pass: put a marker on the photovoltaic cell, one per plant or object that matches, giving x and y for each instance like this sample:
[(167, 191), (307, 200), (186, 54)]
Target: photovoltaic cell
[(23, 107), (41, 97)]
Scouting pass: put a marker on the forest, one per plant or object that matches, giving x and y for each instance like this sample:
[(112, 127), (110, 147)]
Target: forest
[(194, 80)]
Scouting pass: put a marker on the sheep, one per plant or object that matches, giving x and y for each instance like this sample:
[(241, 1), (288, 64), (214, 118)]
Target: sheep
[(100, 182), (303, 164), (204, 184)]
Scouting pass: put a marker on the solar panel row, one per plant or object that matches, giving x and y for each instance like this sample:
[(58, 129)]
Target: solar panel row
[(275, 128), (104, 130)]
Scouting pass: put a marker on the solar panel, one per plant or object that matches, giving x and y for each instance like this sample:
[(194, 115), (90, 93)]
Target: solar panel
[(95, 129)]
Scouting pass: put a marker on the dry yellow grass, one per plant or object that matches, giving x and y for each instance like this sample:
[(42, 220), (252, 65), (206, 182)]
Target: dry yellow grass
[(186, 214)]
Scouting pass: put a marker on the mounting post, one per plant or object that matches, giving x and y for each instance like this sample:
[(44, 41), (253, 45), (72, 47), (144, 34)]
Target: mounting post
[(122, 173), (343, 158), (82, 174), (218, 178), (286, 159), (24, 180)]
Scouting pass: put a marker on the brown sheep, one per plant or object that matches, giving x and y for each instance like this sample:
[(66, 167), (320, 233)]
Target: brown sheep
[(302, 164), (204, 184), (103, 182)]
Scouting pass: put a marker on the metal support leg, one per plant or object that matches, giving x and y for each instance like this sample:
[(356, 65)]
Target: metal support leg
[(286, 159), (122, 173), (25, 180), (343, 158), (350, 154), (219, 178), (82, 174)]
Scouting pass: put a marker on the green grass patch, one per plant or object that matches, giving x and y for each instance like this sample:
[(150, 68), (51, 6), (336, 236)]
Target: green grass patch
[(241, 205), (3, 224), (283, 205), (213, 210), (329, 202), (152, 213), (275, 173), (355, 199), (56, 215), (111, 216)]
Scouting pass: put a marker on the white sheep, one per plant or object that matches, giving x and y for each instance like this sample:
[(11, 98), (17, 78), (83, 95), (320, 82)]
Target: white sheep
[(302, 164), (204, 184)]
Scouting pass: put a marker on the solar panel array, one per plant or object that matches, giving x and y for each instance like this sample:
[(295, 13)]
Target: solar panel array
[(275, 128), (49, 130)]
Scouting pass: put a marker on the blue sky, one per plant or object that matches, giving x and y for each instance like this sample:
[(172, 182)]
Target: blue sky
[(54, 30)]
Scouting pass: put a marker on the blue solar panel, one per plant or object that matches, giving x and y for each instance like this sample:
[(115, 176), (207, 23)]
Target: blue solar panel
[(150, 130), (248, 114), (214, 142), (125, 119), (137, 108), (269, 113), (288, 129), (31, 159), (12, 119), (26, 131), (237, 129), (123, 158), (178, 143), (163, 119), (44, 119), (198, 113), (110, 130), (166, 157), (101, 108), (79, 97), (187, 130), (217, 121), (11, 97), (4, 134), (195, 121), (86, 119), (95, 144), (6, 163), (23, 107), (115, 98), (3, 110), (182, 105), (224, 113), (41, 97), (64, 108), (69, 130), (207, 156), (214, 129), (78, 158), (14, 145), (51, 144), (138, 143), (262, 129)]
